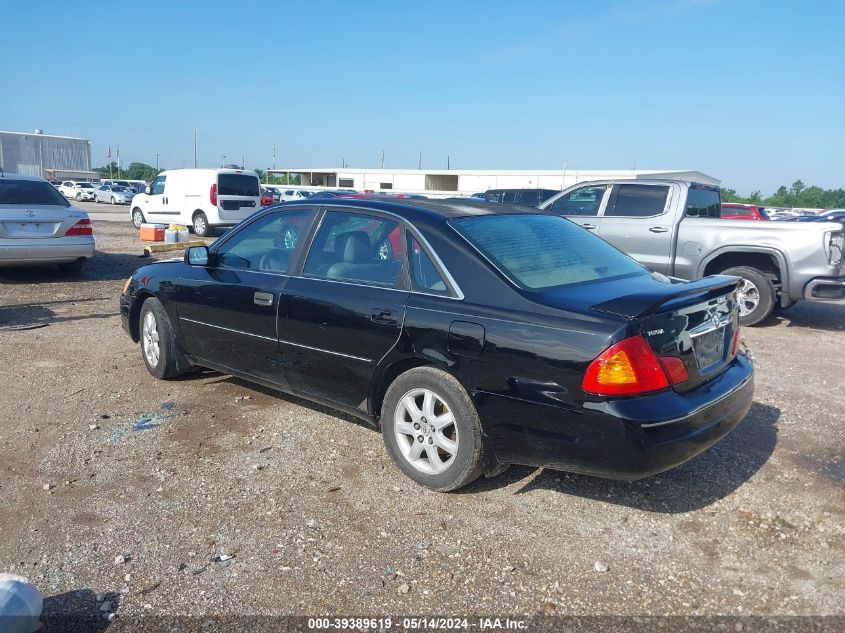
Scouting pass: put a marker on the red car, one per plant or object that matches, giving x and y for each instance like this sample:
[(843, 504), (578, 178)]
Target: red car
[(266, 197), (737, 211)]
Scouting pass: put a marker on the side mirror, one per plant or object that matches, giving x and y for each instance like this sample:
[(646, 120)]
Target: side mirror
[(148, 190), (196, 256)]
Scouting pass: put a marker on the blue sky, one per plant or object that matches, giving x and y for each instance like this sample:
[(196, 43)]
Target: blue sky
[(749, 91)]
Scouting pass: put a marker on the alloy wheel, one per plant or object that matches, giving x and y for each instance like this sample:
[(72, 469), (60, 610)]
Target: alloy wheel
[(150, 339), (425, 431), (748, 297)]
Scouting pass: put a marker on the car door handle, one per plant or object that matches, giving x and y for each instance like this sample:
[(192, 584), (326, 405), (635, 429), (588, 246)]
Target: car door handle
[(659, 229), (589, 227), (384, 315), (262, 299)]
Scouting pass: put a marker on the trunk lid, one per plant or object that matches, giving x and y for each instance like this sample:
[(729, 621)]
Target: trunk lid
[(34, 222), (694, 321)]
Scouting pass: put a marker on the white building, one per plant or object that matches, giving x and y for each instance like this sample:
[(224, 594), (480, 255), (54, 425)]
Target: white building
[(46, 155), (469, 181)]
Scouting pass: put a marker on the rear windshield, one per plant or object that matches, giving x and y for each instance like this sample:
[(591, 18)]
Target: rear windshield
[(30, 192), (704, 203), (237, 185), (540, 252)]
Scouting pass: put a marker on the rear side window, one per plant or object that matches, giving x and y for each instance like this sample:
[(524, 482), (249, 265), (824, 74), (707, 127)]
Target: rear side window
[(237, 185), (705, 203), (640, 201), (30, 192), (529, 197), (356, 247), (424, 274), (540, 252)]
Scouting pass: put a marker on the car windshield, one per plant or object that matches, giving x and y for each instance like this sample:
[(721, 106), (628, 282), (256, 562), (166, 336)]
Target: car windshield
[(540, 252), (123, 189), (30, 192), (85, 185)]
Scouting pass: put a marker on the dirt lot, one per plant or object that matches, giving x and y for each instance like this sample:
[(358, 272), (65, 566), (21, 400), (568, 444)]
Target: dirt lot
[(99, 461)]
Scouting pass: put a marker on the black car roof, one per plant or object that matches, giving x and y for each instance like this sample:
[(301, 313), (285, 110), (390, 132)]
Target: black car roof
[(443, 209)]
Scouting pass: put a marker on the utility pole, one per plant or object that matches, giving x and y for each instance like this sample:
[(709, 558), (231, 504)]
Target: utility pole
[(448, 162), (274, 156), (243, 162), (223, 164), (156, 162), (195, 148), (419, 163), (382, 159)]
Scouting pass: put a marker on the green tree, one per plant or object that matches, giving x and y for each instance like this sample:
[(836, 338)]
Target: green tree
[(796, 188)]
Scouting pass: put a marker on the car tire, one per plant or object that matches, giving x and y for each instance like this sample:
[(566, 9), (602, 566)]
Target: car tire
[(112, 200), (72, 268), (431, 429), (159, 348), (96, 198), (137, 217), (756, 294), (79, 197), (200, 224)]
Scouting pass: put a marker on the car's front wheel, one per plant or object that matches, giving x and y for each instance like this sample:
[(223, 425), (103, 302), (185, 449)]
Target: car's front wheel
[(96, 198), (158, 342), (137, 218), (431, 429), (112, 200), (78, 197)]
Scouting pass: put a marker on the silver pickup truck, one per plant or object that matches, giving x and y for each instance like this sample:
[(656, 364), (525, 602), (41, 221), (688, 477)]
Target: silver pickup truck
[(674, 227)]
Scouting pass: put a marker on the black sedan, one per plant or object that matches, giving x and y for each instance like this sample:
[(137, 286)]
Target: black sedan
[(475, 335)]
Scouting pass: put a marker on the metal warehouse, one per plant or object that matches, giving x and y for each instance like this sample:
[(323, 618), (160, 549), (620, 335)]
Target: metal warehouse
[(51, 157), (469, 181)]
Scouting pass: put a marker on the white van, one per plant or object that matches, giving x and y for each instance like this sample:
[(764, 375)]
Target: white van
[(201, 199)]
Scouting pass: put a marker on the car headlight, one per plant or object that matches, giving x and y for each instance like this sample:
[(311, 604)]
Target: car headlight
[(834, 247)]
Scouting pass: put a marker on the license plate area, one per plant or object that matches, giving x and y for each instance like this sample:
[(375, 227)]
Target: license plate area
[(29, 229), (709, 348)]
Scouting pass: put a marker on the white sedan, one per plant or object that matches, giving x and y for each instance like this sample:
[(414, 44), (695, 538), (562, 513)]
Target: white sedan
[(38, 226), (77, 190), (114, 194)]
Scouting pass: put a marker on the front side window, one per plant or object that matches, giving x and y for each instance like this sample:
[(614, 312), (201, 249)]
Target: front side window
[(424, 274), (639, 201), (157, 186), (356, 247), (541, 252), (583, 201), (35, 192), (704, 203), (268, 244)]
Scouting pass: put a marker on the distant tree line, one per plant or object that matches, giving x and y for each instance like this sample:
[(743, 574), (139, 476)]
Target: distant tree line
[(798, 195), (135, 171)]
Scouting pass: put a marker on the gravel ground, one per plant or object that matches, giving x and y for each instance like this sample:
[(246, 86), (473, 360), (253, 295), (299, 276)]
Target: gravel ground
[(207, 495)]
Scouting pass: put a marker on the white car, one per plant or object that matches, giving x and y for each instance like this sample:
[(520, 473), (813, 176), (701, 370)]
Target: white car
[(38, 226), (114, 194), (295, 194), (201, 199), (77, 190)]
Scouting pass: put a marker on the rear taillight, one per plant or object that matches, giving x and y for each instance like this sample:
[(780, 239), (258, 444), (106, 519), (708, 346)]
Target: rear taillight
[(212, 195), (83, 227), (627, 368), (735, 342), (675, 369)]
